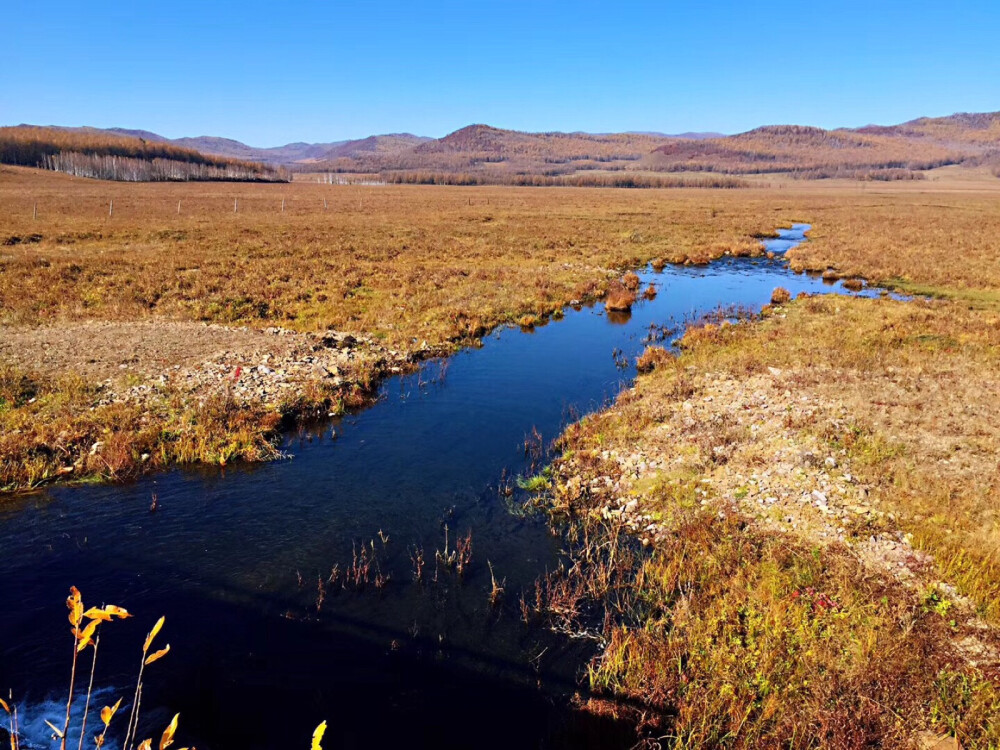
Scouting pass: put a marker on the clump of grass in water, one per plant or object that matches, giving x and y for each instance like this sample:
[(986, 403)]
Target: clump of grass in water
[(619, 298), (417, 559), (651, 358), (535, 484), (780, 296), (458, 558), (497, 588), (534, 448)]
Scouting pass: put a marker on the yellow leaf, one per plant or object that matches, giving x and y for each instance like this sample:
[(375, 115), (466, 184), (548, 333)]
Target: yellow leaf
[(75, 606), (158, 655), (116, 611), (108, 711), (168, 734), (97, 614), (86, 634), (318, 736), (146, 745), (55, 729), (5, 706), (152, 634)]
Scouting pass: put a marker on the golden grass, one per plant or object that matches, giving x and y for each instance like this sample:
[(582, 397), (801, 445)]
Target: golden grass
[(914, 375), (762, 634), (49, 427), (409, 264), (729, 631), (947, 243), (437, 263), (750, 640)]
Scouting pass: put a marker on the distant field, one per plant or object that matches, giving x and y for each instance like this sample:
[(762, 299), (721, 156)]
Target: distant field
[(398, 261), (412, 268), (439, 262)]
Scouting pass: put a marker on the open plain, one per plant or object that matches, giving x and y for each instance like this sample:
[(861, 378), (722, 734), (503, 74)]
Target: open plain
[(812, 493)]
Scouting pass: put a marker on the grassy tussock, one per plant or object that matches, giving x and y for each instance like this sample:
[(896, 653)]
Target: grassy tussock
[(620, 297)]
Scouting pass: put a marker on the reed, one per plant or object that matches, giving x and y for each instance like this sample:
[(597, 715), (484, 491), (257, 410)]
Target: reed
[(86, 630), (497, 588)]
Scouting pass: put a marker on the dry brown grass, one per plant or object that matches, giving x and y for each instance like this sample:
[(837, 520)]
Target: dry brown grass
[(942, 242), (619, 297), (409, 264), (780, 296), (898, 578), (731, 631), (723, 655), (57, 429), (436, 263)]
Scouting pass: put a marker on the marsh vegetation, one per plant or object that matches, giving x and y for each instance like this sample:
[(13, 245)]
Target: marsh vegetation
[(785, 535)]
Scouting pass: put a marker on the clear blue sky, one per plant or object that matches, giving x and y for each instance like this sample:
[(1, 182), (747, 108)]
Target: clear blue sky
[(270, 73)]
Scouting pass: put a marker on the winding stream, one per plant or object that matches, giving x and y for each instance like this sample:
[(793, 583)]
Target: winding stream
[(253, 664)]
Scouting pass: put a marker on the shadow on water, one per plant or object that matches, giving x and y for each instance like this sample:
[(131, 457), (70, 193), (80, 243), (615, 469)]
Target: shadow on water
[(234, 559)]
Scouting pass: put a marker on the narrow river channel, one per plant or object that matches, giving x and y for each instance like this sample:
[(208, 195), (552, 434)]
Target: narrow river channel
[(233, 557)]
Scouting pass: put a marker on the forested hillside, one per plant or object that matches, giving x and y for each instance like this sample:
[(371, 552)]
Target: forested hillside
[(102, 155)]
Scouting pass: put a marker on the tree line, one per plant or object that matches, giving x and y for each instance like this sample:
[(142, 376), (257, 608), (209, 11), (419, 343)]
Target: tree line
[(128, 169), (620, 180), (112, 157)]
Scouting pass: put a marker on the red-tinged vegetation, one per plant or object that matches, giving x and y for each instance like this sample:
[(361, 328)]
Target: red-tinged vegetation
[(619, 297)]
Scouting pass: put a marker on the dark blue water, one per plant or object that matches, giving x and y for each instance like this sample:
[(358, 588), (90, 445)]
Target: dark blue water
[(254, 664)]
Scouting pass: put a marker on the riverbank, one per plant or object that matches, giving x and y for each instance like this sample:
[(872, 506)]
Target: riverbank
[(816, 497), (785, 588), (190, 325), (129, 328), (108, 401)]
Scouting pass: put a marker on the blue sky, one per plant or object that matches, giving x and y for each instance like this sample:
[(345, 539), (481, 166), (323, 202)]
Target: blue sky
[(271, 73)]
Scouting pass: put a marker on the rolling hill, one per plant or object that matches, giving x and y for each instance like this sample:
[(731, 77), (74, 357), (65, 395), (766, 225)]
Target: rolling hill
[(875, 151), (482, 153)]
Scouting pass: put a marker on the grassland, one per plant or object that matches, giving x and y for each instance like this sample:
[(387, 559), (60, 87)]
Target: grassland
[(790, 531), (416, 269), (816, 493)]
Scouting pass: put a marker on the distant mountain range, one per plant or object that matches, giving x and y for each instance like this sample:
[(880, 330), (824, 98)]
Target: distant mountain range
[(914, 146), (483, 152), (289, 154), (382, 146)]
